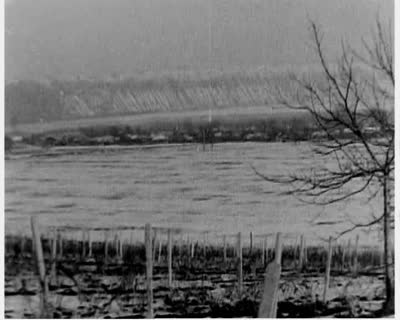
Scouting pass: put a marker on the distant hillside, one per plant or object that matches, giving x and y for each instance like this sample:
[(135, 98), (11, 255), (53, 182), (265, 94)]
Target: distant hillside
[(30, 102)]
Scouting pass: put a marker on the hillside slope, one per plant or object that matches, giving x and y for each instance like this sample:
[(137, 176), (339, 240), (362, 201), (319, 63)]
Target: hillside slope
[(30, 102)]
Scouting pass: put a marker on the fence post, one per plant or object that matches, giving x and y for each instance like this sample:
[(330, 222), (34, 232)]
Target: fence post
[(149, 270), (204, 246), (269, 301), (278, 261), (328, 269), (264, 252), (54, 256), (159, 251), (60, 245), (115, 243), (251, 243), (83, 243), (349, 255), (105, 246), (90, 242), (224, 240), (301, 256), (22, 244), (180, 246), (343, 260), (192, 249), (36, 239), (120, 248), (155, 234), (305, 252), (278, 248), (355, 257), (239, 262), (169, 258)]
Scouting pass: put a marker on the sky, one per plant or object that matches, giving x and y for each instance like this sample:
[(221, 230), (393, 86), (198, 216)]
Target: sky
[(64, 39)]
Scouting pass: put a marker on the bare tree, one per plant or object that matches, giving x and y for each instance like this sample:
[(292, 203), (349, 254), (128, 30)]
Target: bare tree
[(352, 104)]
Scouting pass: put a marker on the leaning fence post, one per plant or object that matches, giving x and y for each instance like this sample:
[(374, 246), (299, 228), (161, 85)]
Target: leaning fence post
[(169, 258), (239, 262), (278, 248), (41, 267), (149, 270), (269, 301), (328, 269)]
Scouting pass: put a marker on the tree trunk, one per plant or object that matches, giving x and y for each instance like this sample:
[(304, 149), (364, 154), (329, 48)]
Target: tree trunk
[(388, 242)]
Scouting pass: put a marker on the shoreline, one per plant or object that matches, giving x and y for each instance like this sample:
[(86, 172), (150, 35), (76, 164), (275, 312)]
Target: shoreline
[(31, 150)]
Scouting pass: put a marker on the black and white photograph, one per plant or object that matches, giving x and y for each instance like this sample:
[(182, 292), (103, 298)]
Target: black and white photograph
[(199, 159)]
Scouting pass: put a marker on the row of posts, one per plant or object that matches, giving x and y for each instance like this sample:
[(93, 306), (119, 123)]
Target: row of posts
[(269, 301)]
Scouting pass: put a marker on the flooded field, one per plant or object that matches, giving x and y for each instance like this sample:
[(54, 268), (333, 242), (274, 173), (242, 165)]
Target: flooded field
[(173, 186)]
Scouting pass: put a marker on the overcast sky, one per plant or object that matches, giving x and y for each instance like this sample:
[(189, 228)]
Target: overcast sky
[(98, 38)]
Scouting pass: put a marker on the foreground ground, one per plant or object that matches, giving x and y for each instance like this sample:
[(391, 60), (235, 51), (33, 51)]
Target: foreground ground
[(203, 286)]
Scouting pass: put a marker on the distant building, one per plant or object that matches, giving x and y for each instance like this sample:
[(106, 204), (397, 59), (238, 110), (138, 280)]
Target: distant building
[(159, 138), (17, 138), (371, 130), (105, 140), (319, 135), (188, 138)]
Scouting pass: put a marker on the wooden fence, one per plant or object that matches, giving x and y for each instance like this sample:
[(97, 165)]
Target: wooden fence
[(271, 258)]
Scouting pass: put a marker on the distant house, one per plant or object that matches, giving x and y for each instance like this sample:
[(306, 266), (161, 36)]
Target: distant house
[(188, 138), (159, 138), (319, 135), (254, 137), (371, 130), (218, 134), (17, 138), (104, 140), (136, 138)]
